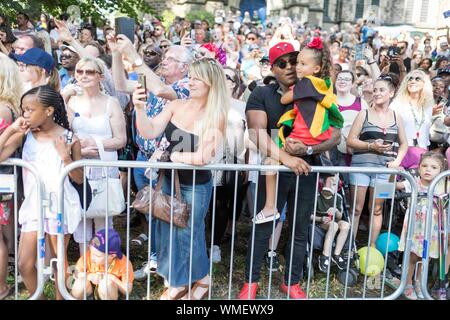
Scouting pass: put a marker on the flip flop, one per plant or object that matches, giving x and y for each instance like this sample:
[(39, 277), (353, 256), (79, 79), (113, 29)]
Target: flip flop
[(261, 218), (193, 290), (166, 294)]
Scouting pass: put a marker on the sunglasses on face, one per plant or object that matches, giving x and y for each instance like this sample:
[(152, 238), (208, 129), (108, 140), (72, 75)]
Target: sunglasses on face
[(264, 63), (251, 39), (66, 56), (164, 46), (282, 64), (150, 53), (417, 79), (229, 78), (88, 72)]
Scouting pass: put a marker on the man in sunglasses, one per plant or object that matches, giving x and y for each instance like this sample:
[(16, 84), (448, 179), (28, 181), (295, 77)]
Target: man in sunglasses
[(263, 111), (152, 56), (69, 59), (158, 31), (266, 77)]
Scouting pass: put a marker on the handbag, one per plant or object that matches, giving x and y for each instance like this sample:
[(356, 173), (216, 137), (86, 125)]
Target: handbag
[(107, 193), (161, 203), (438, 130)]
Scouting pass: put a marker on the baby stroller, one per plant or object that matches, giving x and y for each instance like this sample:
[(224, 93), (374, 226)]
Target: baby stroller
[(316, 238)]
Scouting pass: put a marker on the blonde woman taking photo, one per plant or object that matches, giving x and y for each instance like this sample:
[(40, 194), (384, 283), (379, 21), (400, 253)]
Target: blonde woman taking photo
[(194, 129)]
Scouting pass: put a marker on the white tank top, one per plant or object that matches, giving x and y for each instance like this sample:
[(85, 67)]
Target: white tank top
[(96, 127), (45, 158)]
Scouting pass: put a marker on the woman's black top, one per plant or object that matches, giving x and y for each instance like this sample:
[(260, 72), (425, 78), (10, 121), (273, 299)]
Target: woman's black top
[(183, 141)]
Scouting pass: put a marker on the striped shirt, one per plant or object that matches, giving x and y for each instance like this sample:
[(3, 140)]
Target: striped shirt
[(371, 132)]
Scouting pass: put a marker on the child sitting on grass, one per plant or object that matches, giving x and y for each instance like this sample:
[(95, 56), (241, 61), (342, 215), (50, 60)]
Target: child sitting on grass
[(117, 281)]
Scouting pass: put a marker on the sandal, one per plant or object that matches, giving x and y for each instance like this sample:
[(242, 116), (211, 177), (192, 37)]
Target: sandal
[(261, 218), (409, 292), (199, 286), (418, 290), (166, 294)]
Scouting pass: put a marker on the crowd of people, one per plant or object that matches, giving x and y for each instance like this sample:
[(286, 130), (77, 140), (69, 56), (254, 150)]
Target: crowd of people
[(236, 92)]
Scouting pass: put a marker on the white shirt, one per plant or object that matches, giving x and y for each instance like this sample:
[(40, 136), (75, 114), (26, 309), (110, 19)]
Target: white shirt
[(422, 127)]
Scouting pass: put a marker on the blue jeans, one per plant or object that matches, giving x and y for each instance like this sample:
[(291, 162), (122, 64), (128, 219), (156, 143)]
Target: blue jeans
[(179, 254), (141, 181)]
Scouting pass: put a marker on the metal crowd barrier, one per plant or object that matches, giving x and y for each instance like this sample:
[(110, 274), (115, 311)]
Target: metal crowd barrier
[(236, 282), (436, 199), (9, 184)]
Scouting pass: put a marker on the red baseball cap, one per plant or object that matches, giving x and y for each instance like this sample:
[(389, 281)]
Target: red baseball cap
[(280, 49)]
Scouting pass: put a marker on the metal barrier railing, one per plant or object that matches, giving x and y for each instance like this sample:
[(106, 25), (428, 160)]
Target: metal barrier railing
[(437, 209), (11, 186), (379, 192)]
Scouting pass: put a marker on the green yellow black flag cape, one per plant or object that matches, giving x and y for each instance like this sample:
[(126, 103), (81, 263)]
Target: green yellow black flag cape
[(316, 105)]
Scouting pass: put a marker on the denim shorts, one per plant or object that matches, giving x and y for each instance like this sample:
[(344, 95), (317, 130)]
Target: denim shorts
[(367, 179)]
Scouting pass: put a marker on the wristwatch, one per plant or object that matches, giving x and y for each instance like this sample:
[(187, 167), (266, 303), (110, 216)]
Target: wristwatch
[(309, 151)]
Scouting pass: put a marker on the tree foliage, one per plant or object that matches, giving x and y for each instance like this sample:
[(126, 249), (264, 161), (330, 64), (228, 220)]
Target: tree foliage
[(97, 9), (201, 15)]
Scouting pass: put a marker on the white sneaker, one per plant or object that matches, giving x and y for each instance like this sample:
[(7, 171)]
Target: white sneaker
[(216, 254), (146, 269)]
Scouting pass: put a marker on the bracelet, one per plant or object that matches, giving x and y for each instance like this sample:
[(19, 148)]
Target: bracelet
[(371, 62), (368, 145)]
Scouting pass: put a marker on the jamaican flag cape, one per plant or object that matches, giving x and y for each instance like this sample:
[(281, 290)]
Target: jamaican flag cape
[(316, 104)]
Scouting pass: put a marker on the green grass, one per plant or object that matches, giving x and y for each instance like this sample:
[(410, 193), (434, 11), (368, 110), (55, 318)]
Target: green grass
[(220, 272)]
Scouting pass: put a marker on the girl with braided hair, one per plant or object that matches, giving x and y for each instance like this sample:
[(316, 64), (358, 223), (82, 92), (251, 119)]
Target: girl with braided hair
[(42, 133)]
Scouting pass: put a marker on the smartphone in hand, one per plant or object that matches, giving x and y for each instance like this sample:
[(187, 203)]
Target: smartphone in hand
[(125, 26), (393, 51), (142, 80)]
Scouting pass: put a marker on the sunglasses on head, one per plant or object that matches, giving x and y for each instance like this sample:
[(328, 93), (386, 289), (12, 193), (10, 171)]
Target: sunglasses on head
[(385, 78), (88, 72), (417, 79), (282, 64), (229, 78)]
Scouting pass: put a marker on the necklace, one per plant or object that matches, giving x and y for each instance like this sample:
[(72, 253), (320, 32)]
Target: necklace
[(384, 128), (417, 124)]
